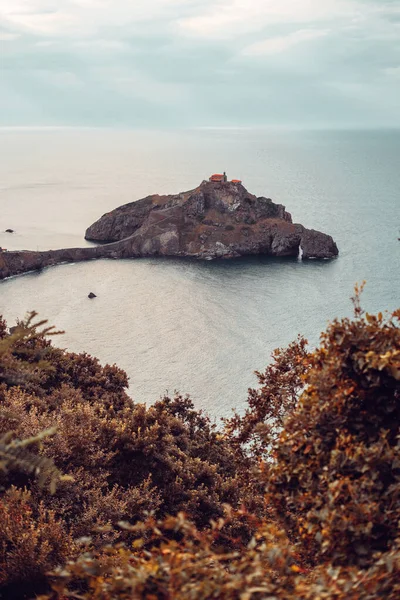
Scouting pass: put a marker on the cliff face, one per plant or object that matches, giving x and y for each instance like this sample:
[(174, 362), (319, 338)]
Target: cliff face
[(215, 220)]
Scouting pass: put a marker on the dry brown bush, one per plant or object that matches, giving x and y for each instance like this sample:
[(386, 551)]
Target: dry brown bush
[(124, 460), (335, 481), (314, 462), (32, 541)]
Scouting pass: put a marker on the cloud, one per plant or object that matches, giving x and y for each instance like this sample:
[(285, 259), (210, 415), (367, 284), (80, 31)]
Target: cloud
[(83, 17), (229, 18), (7, 36), (393, 72), (199, 62), (277, 44), (37, 16)]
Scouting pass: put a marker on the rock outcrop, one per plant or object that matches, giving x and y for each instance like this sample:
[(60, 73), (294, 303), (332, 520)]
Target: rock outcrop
[(23, 261), (215, 220)]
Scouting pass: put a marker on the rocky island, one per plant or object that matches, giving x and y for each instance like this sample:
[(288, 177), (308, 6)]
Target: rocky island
[(218, 219)]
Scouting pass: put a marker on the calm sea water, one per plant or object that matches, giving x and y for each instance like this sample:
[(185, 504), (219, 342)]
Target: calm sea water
[(198, 327)]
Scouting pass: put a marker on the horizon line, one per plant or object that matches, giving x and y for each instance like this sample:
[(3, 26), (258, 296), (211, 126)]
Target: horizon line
[(327, 127)]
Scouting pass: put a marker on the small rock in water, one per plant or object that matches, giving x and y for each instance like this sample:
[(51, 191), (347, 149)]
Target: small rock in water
[(91, 295), (10, 231)]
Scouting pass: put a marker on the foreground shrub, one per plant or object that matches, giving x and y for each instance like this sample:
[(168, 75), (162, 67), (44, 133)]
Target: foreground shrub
[(257, 431), (199, 566), (29, 360), (311, 469), (196, 564), (32, 541), (164, 459), (123, 460), (335, 481)]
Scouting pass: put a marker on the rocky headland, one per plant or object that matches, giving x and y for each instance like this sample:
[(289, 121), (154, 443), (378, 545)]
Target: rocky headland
[(215, 220)]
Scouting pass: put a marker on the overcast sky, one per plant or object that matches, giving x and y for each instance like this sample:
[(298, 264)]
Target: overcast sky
[(168, 63)]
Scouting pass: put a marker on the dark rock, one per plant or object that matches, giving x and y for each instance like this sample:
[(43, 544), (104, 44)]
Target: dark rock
[(315, 244), (91, 295), (216, 220), (9, 231)]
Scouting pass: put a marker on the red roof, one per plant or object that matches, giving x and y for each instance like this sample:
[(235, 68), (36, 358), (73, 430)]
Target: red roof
[(217, 177), (236, 181)]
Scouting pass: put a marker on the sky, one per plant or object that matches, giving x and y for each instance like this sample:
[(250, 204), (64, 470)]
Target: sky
[(200, 63)]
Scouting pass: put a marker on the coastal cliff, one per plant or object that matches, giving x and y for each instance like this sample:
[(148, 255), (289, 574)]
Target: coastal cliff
[(215, 220), (211, 221)]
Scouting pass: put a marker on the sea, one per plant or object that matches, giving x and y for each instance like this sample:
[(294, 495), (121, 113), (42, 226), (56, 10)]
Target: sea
[(197, 327)]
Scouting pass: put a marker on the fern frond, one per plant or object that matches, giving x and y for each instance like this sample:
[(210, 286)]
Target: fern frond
[(14, 456)]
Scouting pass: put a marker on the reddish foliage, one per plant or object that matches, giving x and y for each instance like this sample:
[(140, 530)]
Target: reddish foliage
[(336, 477), (269, 405), (32, 541), (314, 462)]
